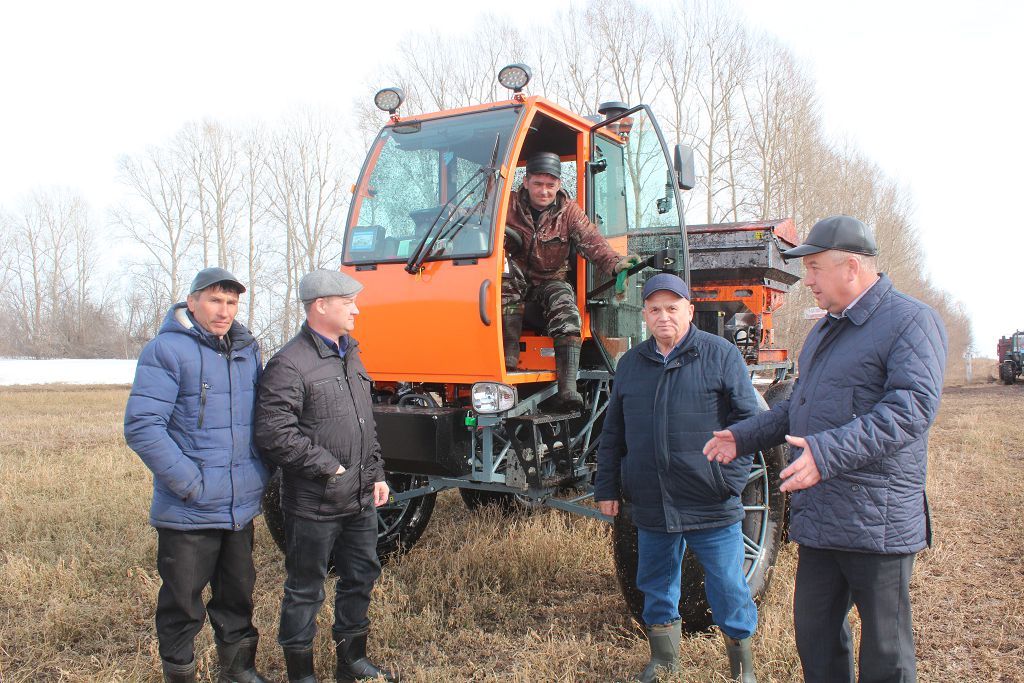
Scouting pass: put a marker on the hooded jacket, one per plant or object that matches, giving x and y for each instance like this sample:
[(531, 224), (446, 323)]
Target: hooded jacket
[(314, 413), (869, 389), (545, 252), (659, 417), (189, 417)]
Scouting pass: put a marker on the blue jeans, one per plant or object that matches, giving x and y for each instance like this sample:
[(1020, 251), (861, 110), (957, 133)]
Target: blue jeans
[(720, 553), (310, 544)]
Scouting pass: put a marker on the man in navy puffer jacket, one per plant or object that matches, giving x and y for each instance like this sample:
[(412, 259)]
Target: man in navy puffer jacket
[(870, 380), (189, 417), (670, 393)]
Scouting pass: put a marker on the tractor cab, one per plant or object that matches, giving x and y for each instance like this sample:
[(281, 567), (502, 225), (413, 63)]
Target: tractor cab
[(426, 235)]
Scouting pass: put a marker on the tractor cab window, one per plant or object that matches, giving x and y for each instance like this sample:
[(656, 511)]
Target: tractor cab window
[(430, 186)]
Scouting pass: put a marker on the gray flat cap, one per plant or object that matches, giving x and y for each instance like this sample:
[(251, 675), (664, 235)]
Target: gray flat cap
[(842, 233), (207, 277), (323, 282)]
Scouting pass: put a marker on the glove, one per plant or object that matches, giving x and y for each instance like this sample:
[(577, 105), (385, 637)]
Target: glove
[(626, 262)]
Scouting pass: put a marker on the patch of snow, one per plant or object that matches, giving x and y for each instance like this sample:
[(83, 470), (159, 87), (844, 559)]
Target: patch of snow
[(66, 371)]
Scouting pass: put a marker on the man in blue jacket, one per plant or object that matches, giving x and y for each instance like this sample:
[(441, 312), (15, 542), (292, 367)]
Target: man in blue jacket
[(857, 422), (189, 417), (670, 393)]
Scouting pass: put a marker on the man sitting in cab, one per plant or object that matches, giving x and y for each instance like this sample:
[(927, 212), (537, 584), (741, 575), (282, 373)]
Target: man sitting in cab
[(541, 224)]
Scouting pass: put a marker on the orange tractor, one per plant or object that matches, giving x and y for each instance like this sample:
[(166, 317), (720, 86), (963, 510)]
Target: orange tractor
[(425, 234)]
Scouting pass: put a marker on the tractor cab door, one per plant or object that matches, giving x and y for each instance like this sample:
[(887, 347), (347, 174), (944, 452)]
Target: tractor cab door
[(632, 187)]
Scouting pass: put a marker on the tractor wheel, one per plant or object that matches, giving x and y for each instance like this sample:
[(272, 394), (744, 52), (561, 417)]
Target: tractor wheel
[(763, 532), (1007, 373), (399, 525)]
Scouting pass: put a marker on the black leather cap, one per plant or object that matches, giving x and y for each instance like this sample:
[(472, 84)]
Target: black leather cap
[(842, 233), (544, 162)]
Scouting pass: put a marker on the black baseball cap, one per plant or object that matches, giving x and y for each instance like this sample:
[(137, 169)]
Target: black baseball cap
[(207, 277), (544, 162), (842, 233)]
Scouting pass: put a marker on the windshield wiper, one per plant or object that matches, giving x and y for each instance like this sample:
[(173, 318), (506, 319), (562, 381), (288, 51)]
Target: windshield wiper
[(436, 231)]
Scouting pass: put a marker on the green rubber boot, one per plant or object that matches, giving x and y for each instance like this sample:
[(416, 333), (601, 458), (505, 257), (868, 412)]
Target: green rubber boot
[(741, 659), (664, 644), (567, 366)]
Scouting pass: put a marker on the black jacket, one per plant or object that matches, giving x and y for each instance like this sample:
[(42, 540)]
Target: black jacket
[(315, 412), (659, 417)]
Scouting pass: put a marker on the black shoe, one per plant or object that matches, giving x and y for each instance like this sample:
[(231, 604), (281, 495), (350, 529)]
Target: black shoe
[(238, 662), (300, 665), (353, 664)]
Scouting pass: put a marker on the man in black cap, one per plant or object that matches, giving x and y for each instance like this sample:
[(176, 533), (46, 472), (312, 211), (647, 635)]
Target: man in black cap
[(857, 424), (189, 417), (670, 393), (541, 224), (314, 418)]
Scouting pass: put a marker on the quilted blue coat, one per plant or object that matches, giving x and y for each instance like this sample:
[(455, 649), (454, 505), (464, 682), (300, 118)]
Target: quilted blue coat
[(868, 391), (189, 417), (659, 417)]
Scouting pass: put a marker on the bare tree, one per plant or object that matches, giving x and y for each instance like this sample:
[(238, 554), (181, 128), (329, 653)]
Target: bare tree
[(162, 229)]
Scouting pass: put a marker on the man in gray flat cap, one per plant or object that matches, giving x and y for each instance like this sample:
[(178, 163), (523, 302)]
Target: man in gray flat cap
[(189, 417), (857, 424), (314, 419)]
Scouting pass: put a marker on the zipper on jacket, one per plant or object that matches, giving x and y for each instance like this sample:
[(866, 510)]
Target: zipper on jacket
[(202, 403)]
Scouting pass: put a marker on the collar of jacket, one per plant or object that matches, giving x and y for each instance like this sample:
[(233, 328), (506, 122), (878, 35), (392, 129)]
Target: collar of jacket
[(179, 316), (688, 345), (556, 207), (322, 348), (862, 310)]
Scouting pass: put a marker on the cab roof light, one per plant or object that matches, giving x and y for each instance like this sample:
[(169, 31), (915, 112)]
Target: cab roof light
[(389, 99), (515, 77)]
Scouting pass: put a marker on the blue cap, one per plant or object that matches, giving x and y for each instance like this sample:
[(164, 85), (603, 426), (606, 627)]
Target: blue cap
[(666, 282)]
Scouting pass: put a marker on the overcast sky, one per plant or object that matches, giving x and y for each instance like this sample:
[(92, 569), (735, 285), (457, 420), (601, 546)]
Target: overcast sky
[(929, 90)]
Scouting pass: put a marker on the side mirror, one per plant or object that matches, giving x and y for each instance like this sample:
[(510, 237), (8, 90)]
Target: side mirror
[(685, 172)]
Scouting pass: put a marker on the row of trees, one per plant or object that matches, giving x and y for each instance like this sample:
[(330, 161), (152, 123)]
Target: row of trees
[(268, 203)]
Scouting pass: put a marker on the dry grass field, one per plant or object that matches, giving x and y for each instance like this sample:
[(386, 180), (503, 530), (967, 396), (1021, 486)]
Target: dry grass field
[(481, 597)]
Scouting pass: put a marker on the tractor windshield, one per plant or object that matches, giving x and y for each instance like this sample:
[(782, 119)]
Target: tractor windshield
[(417, 175)]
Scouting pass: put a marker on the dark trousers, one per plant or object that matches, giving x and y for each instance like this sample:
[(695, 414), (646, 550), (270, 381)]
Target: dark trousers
[(352, 540), (828, 584), (187, 562)]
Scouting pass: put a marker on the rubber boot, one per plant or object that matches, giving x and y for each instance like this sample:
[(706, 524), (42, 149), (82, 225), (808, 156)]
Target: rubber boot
[(238, 662), (179, 673), (353, 664), (300, 665), (511, 330), (567, 365), (664, 643), (741, 659)]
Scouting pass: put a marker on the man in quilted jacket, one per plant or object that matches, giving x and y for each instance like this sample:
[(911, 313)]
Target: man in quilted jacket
[(189, 417), (857, 422)]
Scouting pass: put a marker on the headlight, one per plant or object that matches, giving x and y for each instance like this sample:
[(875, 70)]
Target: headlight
[(514, 76), (492, 397), (389, 99)]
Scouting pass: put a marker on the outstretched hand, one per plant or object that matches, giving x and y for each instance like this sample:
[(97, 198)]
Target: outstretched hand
[(721, 447), (802, 473)]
